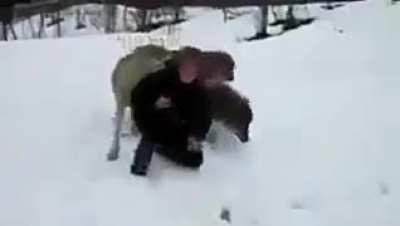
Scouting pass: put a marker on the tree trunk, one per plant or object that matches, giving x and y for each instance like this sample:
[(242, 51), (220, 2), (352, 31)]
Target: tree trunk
[(106, 18), (23, 33), (143, 20), (110, 12), (125, 18), (291, 21), (177, 14), (58, 24), (41, 26), (14, 34), (6, 17), (33, 32), (78, 18), (1, 33), (225, 12), (329, 5), (4, 31), (262, 30)]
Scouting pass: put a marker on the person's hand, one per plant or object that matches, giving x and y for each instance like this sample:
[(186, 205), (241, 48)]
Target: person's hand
[(194, 144), (163, 102)]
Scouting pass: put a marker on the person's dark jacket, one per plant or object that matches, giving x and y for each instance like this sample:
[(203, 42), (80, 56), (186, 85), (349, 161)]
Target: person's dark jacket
[(188, 115)]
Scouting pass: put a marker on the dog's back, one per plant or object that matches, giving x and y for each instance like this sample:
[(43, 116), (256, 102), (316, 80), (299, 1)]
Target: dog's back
[(133, 67)]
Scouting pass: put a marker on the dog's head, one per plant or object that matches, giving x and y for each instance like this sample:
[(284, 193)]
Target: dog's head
[(241, 126)]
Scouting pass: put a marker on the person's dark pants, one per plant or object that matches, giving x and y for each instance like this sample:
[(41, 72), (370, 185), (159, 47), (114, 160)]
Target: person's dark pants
[(142, 157), (181, 156), (167, 136), (177, 153)]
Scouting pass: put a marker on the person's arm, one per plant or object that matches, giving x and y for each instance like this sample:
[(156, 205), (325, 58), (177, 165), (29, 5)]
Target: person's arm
[(143, 99)]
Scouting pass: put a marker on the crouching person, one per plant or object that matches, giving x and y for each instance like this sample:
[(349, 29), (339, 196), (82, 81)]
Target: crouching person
[(172, 112)]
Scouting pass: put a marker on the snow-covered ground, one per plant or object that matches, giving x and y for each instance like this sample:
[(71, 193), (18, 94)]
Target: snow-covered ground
[(324, 148)]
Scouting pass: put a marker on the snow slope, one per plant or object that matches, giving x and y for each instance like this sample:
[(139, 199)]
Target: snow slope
[(324, 148)]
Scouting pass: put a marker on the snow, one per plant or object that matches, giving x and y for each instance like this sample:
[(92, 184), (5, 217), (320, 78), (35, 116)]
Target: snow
[(324, 141)]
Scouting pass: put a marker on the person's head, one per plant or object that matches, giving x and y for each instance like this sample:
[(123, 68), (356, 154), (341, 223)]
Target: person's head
[(189, 64)]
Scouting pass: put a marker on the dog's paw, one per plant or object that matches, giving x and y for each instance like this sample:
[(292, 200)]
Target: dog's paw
[(113, 155)]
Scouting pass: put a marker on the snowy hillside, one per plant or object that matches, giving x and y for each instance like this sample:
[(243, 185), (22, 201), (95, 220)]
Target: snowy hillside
[(324, 146)]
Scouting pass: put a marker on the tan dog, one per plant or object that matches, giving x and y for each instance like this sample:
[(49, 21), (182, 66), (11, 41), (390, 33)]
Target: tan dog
[(126, 75)]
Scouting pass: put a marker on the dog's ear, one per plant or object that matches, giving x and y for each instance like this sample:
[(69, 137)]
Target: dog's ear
[(219, 66)]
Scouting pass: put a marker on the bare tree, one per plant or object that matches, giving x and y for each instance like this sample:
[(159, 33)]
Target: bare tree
[(5, 27), (225, 13), (6, 16), (142, 21), (14, 34), (56, 21), (279, 13), (79, 17), (291, 21), (110, 14), (329, 5), (125, 18), (177, 14), (33, 32), (263, 22), (41, 25), (3, 33), (58, 16)]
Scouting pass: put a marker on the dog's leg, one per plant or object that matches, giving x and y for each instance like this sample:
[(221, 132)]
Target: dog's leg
[(134, 130), (114, 150)]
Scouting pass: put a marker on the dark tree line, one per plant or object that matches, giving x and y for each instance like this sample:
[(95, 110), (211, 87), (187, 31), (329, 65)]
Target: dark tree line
[(51, 6), (144, 15)]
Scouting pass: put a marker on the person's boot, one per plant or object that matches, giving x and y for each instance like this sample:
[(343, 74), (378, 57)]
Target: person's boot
[(193, 156), (142, 158), (191, 159), (181, 156)]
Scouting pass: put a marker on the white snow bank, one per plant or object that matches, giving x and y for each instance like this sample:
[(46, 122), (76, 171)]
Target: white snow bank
[(324, 148)]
